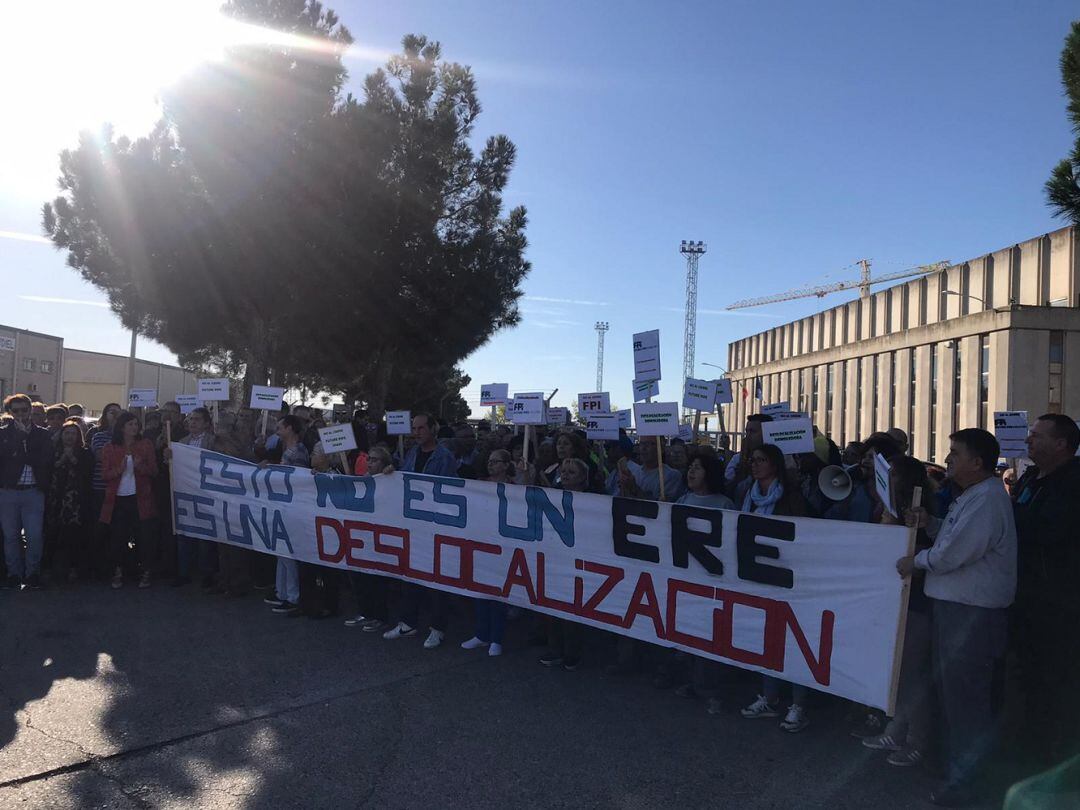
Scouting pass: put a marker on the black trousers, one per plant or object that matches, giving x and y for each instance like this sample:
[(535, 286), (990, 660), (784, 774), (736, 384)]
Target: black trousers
[(125, 528)]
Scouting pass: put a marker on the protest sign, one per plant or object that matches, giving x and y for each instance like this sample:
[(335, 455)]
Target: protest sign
[(494, 394), (699, 395), (723, 392), (599, 402), (686, 432), (790, 435), (753, 591), (881, 482), (657, 418), (142, 397), (776, 407), (213, 390), (398, 423), (781, 415), (643, 389), (337, 438), (602, 427), (187, 402), (558, 416), (268, 398), (1011, 430), (527, 409), (647, 355), (625, 418)]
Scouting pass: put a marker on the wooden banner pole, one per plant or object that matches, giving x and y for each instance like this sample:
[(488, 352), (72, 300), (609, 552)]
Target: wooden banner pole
[(525, 449), (901, 621), (168, 466), (660, 467)]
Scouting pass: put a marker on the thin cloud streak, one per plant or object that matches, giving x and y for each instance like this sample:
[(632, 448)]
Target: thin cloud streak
[(25, 237), (44, 299), (547, 300)]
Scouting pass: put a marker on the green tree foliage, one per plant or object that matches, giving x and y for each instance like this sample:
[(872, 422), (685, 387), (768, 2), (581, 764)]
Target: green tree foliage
[(1063, 187), (271, 222)]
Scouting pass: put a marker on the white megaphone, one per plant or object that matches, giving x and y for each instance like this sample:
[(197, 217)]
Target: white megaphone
[(834, 483)]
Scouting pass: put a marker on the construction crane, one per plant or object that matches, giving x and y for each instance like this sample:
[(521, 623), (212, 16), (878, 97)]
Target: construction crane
[(862, 283)]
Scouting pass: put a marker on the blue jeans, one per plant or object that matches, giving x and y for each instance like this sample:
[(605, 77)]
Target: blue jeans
[(288, 580), (22, 511)]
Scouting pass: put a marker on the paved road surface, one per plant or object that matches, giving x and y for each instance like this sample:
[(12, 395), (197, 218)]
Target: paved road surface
[(170, 698)]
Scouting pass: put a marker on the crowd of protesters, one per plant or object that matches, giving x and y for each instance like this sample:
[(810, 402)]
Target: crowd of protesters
[(994, 604)]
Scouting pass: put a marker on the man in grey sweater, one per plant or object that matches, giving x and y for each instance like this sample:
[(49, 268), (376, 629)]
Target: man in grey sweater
[(971, 581)]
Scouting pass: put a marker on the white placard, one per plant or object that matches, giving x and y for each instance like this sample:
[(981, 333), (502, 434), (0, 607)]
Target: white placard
[(723, 392), (647, 355), (398, 423), (1011, 430), (558, 416), (527, 409), (782, 415), (187, 402), (268, 398), (776, 407), (699, 395), (790, 435), (7, 344), (657, 418), (337, 438), (881, 481), (142, 397), (494, 394), (214, 389), (643, 389), (602, 427), (599, 402), (686, 432), (625, 417)]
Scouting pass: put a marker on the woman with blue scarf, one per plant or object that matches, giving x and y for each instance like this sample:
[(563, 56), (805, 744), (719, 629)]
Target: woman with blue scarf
[(772, 494)]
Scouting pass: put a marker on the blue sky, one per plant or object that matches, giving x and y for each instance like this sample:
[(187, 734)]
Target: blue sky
[(793, 138)]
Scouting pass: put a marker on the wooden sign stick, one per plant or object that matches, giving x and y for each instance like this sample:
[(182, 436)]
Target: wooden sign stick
[(901, 622), (660, 467)]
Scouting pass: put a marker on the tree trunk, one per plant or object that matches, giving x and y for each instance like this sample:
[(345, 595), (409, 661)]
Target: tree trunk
[(255, 373), (380, 387)]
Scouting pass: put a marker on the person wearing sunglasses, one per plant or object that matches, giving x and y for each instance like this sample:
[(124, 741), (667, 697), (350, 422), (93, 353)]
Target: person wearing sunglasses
[(25, 469)]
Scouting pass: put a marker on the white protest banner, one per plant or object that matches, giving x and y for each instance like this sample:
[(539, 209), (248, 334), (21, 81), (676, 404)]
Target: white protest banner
[(657, 418), (187, 402), (723, 392), (602, 427), (599, 402), (753, 591), (776, 407), (790, 435), (699, 395), (647, 355), (643, 389), (142, 397), (268, 398), (686, 432), (1011, 430), (494, 394), (881, 482), (527, 409), (625, 418), (337, 438), (558, 416), (214, 390), (398, 423)]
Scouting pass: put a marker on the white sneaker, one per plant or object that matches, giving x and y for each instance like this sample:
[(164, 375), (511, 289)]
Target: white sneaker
[(356, 620), (760, 708), (473, 644), (495, 648), (434, 639), (399, 631), (795, 720)]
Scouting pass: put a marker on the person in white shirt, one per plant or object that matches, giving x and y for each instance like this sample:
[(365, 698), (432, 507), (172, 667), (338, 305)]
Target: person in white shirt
[(971, 581)]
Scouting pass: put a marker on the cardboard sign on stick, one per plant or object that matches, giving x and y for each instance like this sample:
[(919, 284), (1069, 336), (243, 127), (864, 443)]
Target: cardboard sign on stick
[(142, 397), (558, 417), (686, 432), (657, 418), (776, 407), (790, 435), (398, 423), (881, 482), (599, 402), (527, 409), (699, 395), (1011, 430), (643, 389), (723, 392), (602, 427), (337, 438), (187, 402), (625, 417), (647, 355), (214, 390), (494, 394), (267, 397)]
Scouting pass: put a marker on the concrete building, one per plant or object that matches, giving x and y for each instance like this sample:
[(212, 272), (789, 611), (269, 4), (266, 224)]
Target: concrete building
[(95, 379), (930, 355), (30, 362)]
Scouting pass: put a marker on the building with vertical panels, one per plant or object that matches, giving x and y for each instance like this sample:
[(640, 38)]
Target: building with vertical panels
[(30, 363), (932, 355)]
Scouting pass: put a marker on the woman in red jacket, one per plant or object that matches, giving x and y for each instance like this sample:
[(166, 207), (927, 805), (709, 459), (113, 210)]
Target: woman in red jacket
[(128, 466)]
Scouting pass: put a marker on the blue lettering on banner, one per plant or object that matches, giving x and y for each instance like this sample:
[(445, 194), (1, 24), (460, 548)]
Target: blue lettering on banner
[(539, 507), (208, 525), (341, 490), (411, 494), (218, 473)]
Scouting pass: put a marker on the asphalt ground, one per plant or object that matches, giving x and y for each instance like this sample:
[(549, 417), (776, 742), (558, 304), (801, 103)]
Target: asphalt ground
[(167, 697)]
